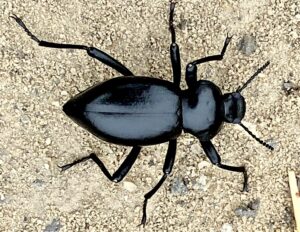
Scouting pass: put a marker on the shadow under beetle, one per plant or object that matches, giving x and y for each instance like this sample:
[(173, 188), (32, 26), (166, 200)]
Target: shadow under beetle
[(138, 111)]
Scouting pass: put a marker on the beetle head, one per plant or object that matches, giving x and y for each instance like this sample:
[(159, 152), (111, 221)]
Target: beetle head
[(234, 107)]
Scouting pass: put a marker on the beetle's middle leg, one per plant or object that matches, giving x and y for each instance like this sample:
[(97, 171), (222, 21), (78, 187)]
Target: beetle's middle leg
[(214, 157), (121, 171), (174, 49), (167, 168), (93, 52), (191, 68)]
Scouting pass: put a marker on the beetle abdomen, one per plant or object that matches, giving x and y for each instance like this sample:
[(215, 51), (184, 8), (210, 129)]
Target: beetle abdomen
[(129, 110)]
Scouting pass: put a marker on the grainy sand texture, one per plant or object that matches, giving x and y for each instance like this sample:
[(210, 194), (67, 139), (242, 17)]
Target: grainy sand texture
[(36, 136)]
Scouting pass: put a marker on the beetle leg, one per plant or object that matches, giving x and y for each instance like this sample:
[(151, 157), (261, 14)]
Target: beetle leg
[(93, 52), (167, 168), (214, 57), (214, 157), (121, 171), (174, 49), (191, 68), (191, 75)]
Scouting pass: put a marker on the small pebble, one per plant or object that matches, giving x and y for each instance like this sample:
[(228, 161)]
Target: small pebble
[(24, 119), (73, 71), (247, 45), (129, 186), (200, 183), (179, 186), (248, 211), (54, 226), (2, 198), (48, 141), (289, 87), (38, 183), (64, 93), (226, 227), (55, 103), (203, 164)]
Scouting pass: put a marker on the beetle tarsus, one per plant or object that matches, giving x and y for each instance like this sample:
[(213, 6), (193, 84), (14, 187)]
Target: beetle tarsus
[(144, 217), (150, 194), (215, 159), (119, 174), (167, 168), (67, 166), (22, 24), (64, 167), (191, 68), (214, 57), (245, 186), (226, 43), (241, 169), (174, 49), (93, 52), (171, 20)]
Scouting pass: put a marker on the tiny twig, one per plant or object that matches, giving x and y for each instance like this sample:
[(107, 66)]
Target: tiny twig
[(295, 198)]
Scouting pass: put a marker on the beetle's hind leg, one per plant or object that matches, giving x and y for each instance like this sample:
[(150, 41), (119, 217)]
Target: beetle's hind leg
[(174, 48), (93, 52), (214, 157), (121, 171), (167, 168)]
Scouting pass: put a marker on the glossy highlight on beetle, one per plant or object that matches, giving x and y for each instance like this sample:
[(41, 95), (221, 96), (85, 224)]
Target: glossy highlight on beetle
[(137, 111)]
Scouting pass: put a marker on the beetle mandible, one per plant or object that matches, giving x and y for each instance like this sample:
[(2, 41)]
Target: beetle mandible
[(138, 111)]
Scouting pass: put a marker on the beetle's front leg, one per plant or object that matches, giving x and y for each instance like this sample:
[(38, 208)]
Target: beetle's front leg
[(121, 171), (214, 57), (214, 157), (93, 52), (191, 68), (174, 49), (168, 165)]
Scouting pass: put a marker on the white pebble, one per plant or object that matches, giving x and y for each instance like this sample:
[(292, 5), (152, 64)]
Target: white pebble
[(226, 227), (48, 141), (129, 186)]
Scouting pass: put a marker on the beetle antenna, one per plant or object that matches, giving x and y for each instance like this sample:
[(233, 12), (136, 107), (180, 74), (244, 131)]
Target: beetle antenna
[(252, 77), (256, 138)]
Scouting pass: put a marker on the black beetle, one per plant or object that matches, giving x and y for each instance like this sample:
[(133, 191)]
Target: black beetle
[(138, 111)]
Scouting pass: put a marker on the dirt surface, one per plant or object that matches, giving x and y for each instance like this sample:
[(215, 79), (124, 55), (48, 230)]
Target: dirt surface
[(36, 136)]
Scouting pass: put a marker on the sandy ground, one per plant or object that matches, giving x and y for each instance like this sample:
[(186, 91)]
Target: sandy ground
[(36, 136)]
